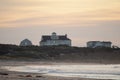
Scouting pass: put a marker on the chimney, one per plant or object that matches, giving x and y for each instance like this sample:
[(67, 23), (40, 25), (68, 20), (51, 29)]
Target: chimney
[(65, 35)]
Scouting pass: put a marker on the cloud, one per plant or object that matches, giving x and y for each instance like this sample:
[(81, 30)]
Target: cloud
[(57, 12), (87, 18)]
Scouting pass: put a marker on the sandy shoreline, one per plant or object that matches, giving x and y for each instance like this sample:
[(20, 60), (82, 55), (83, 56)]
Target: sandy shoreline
[(10, 75)]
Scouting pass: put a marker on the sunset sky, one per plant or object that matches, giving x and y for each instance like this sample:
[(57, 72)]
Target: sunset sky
[(82, 20)]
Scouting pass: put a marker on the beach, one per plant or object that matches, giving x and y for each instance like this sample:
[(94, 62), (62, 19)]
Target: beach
[(16, 75)]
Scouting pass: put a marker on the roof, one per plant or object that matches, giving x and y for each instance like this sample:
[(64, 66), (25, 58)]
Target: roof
[(26, 40), (45, 38), (99, 41), (107, 42)]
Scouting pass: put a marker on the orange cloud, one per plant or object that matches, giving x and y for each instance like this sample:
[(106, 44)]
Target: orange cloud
[(57, 12)]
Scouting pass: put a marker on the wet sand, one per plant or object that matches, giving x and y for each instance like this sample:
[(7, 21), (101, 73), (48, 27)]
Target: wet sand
[(10, 75)]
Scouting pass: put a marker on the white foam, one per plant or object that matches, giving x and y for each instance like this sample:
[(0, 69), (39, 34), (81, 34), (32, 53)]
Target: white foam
[(83, 71)]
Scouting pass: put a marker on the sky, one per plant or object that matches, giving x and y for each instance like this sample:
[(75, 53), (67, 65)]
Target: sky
[(81, 20)]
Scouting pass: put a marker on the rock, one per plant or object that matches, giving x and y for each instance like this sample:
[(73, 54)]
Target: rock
[(28, 75), (3, 73)]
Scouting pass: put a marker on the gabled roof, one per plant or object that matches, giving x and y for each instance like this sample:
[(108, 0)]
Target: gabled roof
[(45, 38), (26, 40)]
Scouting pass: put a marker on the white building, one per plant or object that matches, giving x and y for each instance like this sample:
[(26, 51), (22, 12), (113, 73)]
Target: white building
[(25, 42), (54, 40), (94, 44)]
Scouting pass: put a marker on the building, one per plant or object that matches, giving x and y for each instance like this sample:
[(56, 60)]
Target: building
[(55, 40), (95, 44), (25, 42)]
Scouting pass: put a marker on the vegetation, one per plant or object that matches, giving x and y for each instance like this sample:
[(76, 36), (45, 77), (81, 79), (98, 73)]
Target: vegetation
[(60, 53)]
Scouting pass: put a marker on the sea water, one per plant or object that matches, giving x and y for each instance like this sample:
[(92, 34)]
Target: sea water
[(100, 71)]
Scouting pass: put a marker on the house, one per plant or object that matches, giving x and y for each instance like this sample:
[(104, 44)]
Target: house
[(55, 40), (25, 42), (95, 44)]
